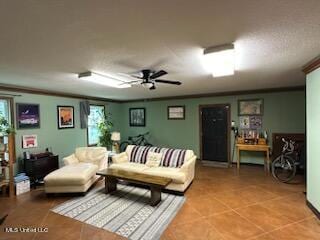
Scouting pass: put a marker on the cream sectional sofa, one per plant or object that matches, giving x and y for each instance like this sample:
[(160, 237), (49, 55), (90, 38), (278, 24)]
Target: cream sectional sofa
[(182, 176), (79, 172)]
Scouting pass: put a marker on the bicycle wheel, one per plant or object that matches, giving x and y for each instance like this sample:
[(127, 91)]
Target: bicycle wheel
[(284, 169), (123, 146)]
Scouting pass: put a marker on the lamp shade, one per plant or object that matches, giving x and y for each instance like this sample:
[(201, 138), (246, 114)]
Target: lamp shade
[(115, 136)]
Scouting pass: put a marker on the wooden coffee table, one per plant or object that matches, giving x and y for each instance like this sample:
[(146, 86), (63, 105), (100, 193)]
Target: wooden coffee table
[(155, 183)]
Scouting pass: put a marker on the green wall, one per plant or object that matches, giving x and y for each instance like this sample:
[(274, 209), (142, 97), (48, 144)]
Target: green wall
[(63, 142), (313, 138), (284, 112)]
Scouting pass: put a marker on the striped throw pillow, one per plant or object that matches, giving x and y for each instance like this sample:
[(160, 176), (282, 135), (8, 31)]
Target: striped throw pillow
[(172, 157), (139, 154)]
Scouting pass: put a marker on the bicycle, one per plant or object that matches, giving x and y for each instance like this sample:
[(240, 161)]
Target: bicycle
[(135, 140), (284, 167)]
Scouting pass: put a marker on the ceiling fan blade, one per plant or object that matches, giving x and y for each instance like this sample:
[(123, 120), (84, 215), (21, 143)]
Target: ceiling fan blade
[(131, 82), (131, 75), (158, 74), (168, 82)]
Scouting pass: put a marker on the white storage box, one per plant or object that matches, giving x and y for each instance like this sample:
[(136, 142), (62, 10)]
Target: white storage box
[(22, 187)]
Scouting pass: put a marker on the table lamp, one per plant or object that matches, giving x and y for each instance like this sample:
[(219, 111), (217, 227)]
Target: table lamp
[(115, 138)]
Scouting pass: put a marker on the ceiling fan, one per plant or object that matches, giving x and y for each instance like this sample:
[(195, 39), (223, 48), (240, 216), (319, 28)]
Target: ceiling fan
[(148, 78)]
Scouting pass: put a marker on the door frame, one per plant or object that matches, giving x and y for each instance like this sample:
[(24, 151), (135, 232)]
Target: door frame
[(228, 127)]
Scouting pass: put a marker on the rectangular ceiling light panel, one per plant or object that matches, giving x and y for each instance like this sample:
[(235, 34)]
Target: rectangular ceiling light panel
[(103, 80), (220, 61)]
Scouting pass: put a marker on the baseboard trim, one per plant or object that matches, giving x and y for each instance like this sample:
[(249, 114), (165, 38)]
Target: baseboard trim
[(215, 164), (250, 164), (313, 209)]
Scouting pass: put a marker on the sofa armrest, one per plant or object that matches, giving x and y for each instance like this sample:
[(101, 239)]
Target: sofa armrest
[(120, 158), (70, 160), (189, 166), (103, 164)]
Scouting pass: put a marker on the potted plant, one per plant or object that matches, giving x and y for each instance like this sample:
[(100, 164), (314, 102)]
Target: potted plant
[(5, 127), (105, 126)]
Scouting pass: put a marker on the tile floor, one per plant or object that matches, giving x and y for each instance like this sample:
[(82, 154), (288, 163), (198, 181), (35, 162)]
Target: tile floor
[(222, 204)]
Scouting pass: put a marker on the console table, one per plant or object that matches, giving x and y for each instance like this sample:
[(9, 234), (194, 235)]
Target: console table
[(38, 168), (255, 148)]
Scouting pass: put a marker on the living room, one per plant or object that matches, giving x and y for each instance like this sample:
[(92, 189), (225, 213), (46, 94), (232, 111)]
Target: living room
[(79, 86)]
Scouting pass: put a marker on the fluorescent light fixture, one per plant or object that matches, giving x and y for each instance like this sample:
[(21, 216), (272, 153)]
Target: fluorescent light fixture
[(103, 80), (220, 60)]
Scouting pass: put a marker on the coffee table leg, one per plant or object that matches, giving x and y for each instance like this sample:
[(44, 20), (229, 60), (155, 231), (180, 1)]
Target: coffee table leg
[(155, 195), (110, 184)]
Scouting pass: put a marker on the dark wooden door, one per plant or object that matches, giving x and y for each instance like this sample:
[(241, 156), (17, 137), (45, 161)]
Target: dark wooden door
[(215, 132)]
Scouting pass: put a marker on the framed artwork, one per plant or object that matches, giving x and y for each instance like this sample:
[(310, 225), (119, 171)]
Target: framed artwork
[(65, 117), (250, 107), (137, 117), (176, 112), (29, 141), (255, 122), (244, 122), (28, 115)]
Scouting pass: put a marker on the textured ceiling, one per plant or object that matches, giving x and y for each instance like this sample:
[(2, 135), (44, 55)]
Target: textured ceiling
[(43, 44)]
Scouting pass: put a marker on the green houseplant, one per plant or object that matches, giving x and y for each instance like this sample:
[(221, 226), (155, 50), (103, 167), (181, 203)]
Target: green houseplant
[(5, 127), (105, 126)]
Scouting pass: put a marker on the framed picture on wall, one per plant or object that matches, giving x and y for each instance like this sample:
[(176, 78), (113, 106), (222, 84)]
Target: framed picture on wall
[(250, 107), (29, 141), (65, 117), (137, 117), (28, 115), (176, 112)]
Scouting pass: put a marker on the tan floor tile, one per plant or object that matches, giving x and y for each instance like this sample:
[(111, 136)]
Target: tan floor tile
[(295, 232), (265, 236), (312, 224), (259, 200), (293, 207), (92, 233), (207, 205), (185, 215), (232, 226), (197, 230), (265, 218)]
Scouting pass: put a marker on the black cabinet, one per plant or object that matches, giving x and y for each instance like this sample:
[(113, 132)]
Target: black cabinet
[(38, 168)]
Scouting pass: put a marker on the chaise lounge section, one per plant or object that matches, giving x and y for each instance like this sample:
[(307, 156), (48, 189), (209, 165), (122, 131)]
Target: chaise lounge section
[(177, 164), (79, 172)]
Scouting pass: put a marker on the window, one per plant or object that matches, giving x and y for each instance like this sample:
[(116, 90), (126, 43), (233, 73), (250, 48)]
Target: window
[(96, 115), (5, 109)]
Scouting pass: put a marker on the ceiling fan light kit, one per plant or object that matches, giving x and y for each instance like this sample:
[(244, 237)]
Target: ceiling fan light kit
[(103, 80), (147, 84), (219, 60), (148, 79)]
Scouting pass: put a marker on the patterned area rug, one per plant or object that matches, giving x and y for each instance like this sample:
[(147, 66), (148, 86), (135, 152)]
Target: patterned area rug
[(125, 212)]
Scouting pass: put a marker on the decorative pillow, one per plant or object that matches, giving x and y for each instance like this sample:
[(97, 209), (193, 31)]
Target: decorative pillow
[(172, 157), (153, 159)]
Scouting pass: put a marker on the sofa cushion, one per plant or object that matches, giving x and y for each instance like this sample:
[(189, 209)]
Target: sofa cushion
[(76, 174), (94, 155), (132, 167), (175, 174), (153, 159)]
